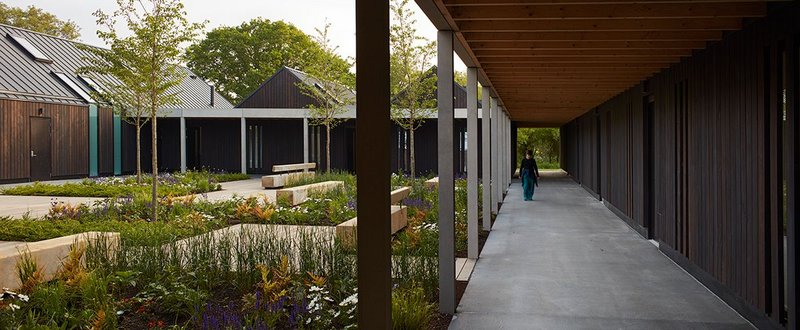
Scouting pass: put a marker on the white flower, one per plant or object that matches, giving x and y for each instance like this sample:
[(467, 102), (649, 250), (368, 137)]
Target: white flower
[(351, 300), (315, 288), (14, 307), (23, 297)]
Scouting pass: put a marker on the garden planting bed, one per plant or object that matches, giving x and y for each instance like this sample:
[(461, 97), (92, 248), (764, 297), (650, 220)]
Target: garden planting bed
[(235, 262)]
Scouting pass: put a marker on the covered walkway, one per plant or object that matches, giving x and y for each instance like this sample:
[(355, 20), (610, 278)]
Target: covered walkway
[(564, 261)]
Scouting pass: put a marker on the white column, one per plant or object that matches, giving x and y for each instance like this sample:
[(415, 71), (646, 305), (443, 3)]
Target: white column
[(447, 262), (244, 144), (495, 122), (472, 163), (486, 159), (305, 141), (183, 144)]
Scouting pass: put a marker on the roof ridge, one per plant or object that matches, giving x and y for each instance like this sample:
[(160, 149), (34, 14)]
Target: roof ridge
[(51, 36)]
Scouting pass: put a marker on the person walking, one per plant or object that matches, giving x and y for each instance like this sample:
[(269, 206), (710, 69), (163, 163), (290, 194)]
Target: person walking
[(529, 173)]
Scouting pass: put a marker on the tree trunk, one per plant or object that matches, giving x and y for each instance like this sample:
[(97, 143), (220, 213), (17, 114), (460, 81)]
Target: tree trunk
[(411, 150), (154, 196), (138, 152), (328, 147)]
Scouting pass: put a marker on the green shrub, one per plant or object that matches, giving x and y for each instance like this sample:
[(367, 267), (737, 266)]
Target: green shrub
[(411, 309)]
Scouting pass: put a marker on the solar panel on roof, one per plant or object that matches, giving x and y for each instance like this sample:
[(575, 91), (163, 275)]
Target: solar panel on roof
[(75, 88), (30, 48)]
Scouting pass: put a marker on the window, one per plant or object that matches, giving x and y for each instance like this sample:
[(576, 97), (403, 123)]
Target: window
[(30, 49), (255, 146), (75, 88), (92, 83)]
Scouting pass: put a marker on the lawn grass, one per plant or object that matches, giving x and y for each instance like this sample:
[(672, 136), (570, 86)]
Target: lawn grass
[(177, 184)]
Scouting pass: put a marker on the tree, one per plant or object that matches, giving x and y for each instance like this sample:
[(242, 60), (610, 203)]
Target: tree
[(157, 30), (124, 90), (239, 59), (36, 19), (412, 84), (544, 142), (326, 84)]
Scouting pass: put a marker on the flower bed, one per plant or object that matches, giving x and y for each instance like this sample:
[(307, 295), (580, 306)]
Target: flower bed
[(247, 279), (177, 184)]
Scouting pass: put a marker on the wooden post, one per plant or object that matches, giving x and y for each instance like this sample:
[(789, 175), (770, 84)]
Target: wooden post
[(373, 164), (486, 159), (472, 163), (495, 156), (447, 264)]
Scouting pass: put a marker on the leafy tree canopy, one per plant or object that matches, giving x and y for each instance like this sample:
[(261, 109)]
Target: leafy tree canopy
[(544, 142), (238, 59), (36, 19)]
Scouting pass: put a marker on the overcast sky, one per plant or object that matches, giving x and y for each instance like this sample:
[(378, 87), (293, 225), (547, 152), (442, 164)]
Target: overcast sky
[(305, 14)]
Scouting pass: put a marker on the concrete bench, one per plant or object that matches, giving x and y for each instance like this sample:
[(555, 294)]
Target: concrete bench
[(280, 180), (287, 172), (299, 194), (346, 231), (48, 254), (399, 194), (432, 183), (305, 167)]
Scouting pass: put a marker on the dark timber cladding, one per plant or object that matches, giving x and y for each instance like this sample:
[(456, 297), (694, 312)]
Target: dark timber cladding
[(724, 163), (69, 129)]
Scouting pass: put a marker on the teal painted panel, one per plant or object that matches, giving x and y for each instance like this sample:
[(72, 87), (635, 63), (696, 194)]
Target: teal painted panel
[(93, 141), (117, 145)]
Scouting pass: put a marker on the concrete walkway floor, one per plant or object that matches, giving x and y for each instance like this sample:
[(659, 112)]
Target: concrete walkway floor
[(564, 261)]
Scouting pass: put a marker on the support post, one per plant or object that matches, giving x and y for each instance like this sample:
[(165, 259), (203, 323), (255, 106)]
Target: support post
[(183, 143), (305, 141), (373, 129), (472, 163), (243, 139), (447, 265), (495, 120), (486, 159)]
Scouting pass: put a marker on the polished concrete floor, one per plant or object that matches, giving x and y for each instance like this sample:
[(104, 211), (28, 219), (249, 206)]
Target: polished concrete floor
[(564, 261)]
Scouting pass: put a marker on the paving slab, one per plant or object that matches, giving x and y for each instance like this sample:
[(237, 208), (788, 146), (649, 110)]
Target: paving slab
[(36, 206), (564, 261), (242, 188)]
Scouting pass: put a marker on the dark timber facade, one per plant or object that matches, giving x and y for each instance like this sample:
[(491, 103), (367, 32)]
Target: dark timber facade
[(703, 158), (52, 128)]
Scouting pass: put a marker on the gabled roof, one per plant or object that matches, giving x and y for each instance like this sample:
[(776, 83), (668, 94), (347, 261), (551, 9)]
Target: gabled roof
[(281, 91), (346, 93), (24, 78), (459, 92)]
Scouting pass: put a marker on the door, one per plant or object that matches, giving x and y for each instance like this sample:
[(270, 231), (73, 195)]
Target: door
[(194, 140), (649, 209), (40, 148)]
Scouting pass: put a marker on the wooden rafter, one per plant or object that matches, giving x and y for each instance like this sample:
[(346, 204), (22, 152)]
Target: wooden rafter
[(551, 60)]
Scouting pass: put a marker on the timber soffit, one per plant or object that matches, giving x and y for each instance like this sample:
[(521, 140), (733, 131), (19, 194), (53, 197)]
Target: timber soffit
[(552, 60)]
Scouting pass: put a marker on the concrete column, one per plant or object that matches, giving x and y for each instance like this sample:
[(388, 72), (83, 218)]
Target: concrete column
[(305, 141), (373, 165), (486, 160), (243, 137), (183, 144), (472, 163), (447, 249), (495, 156)]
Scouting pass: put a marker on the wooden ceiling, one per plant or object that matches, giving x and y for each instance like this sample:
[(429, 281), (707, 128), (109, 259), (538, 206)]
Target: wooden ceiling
[(550, 61)]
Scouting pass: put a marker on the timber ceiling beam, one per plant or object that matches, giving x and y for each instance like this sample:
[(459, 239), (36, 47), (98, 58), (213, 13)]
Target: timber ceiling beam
[(549, 61)]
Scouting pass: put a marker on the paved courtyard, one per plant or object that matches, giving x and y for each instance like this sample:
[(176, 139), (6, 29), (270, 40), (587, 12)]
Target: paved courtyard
[(564, 261)]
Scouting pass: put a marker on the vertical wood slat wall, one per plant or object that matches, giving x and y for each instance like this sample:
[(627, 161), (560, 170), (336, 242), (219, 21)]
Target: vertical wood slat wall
[(105, 139), (69, 135), (716, 175)]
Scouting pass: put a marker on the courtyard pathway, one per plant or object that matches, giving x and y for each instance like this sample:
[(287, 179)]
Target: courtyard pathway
[(564, 261)]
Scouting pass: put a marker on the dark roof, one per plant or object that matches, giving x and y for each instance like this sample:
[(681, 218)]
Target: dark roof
[(24, 78), (346, 93), (459, 92), (280, 91)]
